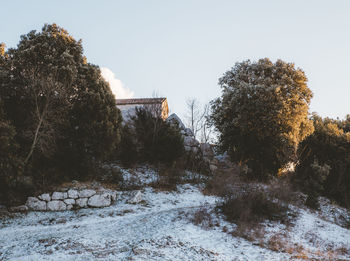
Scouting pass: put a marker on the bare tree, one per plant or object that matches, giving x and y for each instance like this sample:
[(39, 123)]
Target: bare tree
[(206, 128), (194, 116)]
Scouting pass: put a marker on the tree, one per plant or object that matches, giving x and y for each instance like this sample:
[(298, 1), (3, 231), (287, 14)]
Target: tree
[(324, 161), (262, 114), (94, 121), (194, 116), (41, 75), (59, 104), (197, 119), (206, 127), (158, 140)]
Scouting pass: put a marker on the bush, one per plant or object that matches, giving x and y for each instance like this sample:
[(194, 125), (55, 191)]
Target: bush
[(252, 206), (169, 176), (203, 218), (158, 140), (127, 150)]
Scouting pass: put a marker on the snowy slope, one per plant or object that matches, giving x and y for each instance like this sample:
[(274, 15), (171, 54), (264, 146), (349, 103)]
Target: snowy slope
[(159, 228)]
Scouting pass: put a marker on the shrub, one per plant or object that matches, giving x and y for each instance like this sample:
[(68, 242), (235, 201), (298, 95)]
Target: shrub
[(127, 150), (158, 140), (203, 218), (170, 176), (252, 206)]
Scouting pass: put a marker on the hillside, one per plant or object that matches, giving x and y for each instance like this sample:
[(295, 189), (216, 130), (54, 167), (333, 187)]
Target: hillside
[(163, 225)]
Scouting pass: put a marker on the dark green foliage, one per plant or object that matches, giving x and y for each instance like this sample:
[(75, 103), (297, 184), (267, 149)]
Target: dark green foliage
[(262, 114), (94, 120), (63, 114), (158, 140), (127, 150), (9, 162), (324, 161)]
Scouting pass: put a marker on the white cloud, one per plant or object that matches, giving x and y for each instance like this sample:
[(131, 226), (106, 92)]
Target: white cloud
[(117, 87)]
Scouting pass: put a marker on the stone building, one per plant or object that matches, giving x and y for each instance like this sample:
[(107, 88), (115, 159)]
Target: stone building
[(158, 106)]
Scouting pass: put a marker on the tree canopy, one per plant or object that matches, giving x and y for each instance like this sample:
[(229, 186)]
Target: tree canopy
[(262, 114), (58, 108)]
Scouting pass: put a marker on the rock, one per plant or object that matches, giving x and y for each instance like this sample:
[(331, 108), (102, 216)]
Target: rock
[(45, 197), (207, 150), (188, 148), (213, 167), (195, 150), (189, 132), (3, 210), (97, 201), (34, 203), (69, 201), (22, 208), (190, 141), (56, 205), (114, 196), (137, 198), (69, 207), (86, 193), (59, 195), (174, 119), (81, 202), (72, 193)]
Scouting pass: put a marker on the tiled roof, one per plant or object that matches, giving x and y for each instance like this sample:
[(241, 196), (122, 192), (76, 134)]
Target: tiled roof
[(140, 101)]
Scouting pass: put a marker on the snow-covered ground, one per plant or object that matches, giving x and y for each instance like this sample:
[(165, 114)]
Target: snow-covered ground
[(161, 228)]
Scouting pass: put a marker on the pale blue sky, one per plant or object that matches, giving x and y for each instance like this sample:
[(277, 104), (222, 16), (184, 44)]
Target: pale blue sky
[(181, 48)]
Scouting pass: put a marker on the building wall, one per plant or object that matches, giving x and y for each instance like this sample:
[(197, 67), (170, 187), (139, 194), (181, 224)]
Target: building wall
[(129, 110)]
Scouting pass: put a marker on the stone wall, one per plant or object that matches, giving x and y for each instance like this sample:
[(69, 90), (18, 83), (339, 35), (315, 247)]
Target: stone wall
[(70, 199)]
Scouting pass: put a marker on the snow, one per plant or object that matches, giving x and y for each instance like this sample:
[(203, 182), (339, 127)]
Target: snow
[(159, 228)]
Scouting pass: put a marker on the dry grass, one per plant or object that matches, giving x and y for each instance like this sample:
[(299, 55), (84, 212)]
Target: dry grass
[(203, 217)]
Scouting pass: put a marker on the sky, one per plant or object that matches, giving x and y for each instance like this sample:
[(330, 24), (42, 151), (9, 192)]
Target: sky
[(180, 48)]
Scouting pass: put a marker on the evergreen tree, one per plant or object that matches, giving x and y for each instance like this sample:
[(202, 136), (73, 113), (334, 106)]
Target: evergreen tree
[(158, 140), (324, 161), (262, 114), (61, 108)]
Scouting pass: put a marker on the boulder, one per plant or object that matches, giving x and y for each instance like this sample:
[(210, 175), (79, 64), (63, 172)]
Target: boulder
[(22, 208), (190, 141), (69, 201), (72, 193), (86, 193), (3, 208), (195, 150), (137, 198), (189, 132), (56, 205), (45, 197), (81, 202), (188, 148), (207, 150), (97, 201), (213, 167), (59, 195), (34, 203), (174, 119), (112, 193)]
